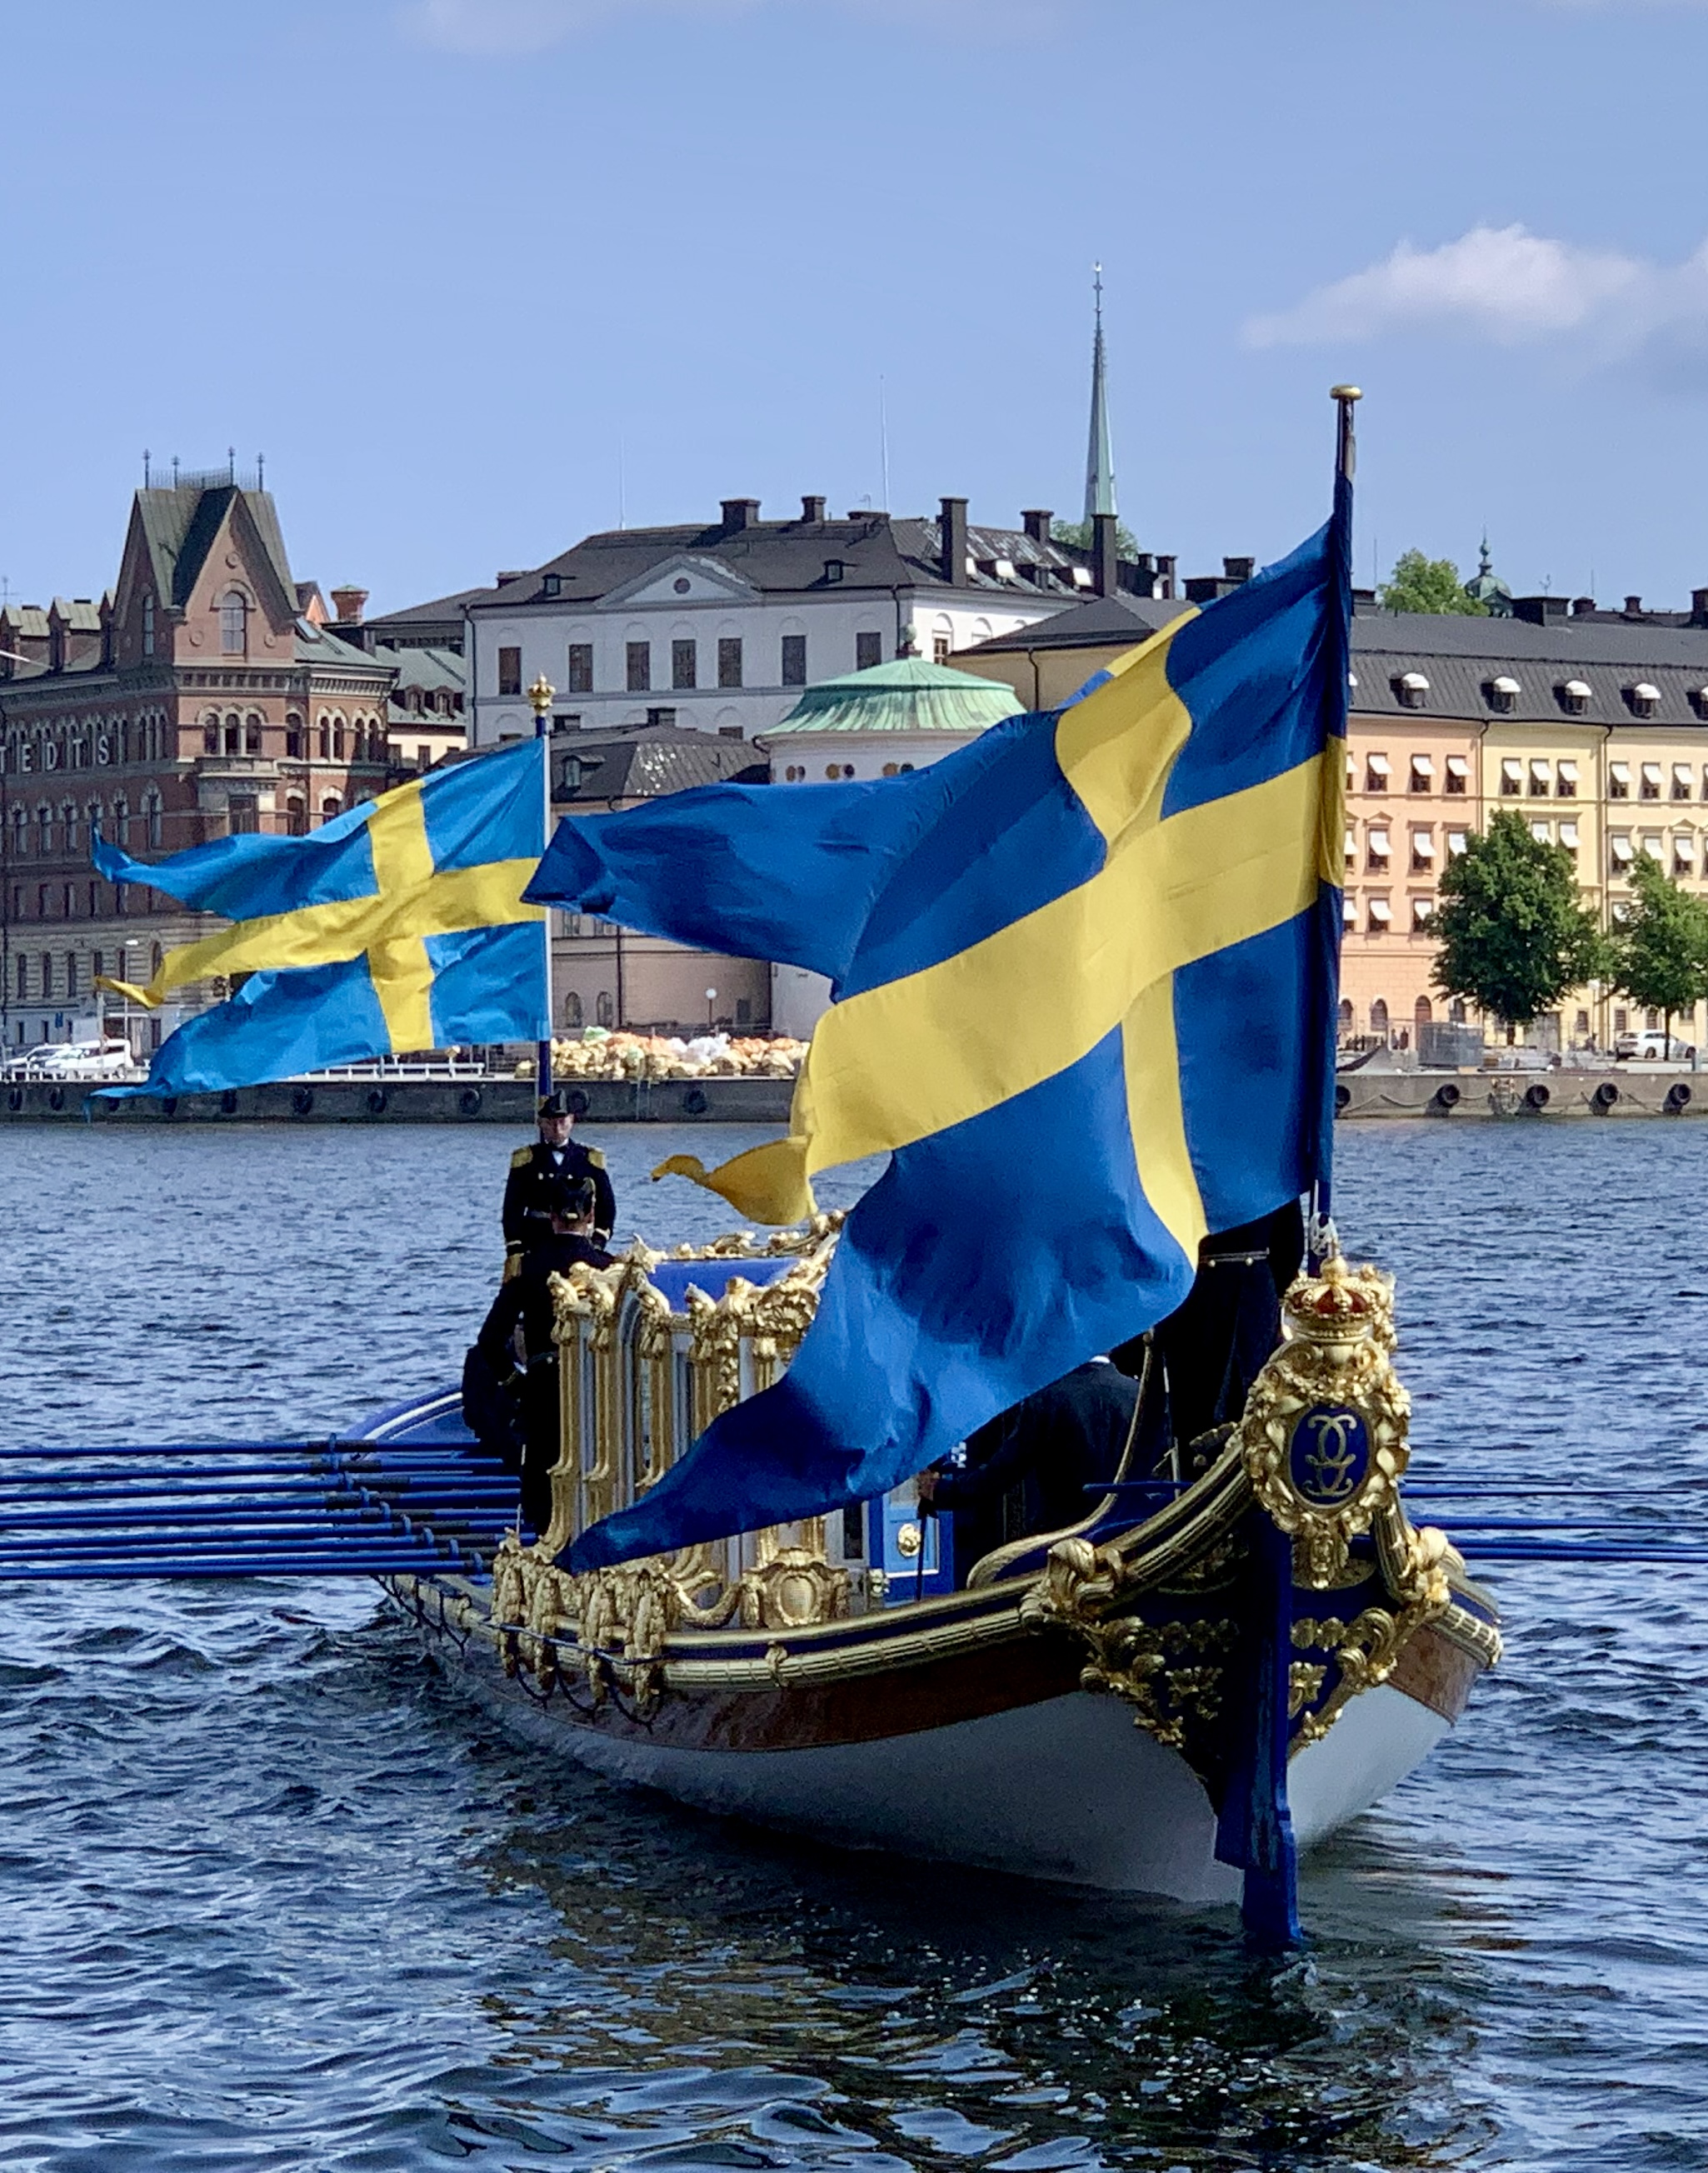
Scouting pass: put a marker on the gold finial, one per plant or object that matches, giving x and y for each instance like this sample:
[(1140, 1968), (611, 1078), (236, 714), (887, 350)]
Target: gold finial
[(542, 693), (1345, 392)]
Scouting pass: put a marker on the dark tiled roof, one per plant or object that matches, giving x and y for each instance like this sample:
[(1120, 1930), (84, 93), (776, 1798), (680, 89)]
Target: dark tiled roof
[(437, 668), (645, 761), (1461, 657), (790, 557), (179, 527), (441, 608)]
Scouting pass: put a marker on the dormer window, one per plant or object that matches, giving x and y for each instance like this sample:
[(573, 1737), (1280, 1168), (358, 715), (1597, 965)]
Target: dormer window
[(148, 625), (833, 570), (1644, 699), (1503, 694), (1698, 701), (234, 615), (1574, 698), (1003, 570), (552, 586), (1413, 689)]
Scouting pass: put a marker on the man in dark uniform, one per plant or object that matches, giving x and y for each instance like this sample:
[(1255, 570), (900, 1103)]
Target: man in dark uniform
[(1051, 1448), (511, 1407), (534, 1169)]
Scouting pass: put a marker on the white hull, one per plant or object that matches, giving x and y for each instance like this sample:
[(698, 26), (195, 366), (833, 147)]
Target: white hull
[(1068, 1790)]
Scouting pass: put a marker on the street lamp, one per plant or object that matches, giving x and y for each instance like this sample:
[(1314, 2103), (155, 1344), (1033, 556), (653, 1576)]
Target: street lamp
[(711, 998)]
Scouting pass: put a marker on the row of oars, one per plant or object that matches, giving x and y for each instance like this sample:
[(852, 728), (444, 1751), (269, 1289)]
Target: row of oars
[(1507, 1530), (276, 1508)]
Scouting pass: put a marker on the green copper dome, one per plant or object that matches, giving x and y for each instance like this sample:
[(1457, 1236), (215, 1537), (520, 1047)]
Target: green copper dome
[(908, 696)]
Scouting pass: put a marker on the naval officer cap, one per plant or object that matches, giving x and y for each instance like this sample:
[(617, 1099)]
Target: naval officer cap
[(555, 1105)]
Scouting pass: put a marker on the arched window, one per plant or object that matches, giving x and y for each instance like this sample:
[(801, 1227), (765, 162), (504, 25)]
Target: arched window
[(234, 613), (20, 832), (572, 1009), (1346, 1015), (1378, 1017), (47, 975), (151, 813), (234, 735), (210, 735), (44, 830), (147, 625), (74, 827), (251, 734), (605, 1010), (337, 739), (325, 741), (157, 958), (293, 739), (122, 822), (330, 806), (1421, 1014), (296, 816)]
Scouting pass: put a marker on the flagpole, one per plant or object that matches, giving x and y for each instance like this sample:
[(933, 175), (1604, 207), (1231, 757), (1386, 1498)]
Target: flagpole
[(541, 694), (1321, 1241)]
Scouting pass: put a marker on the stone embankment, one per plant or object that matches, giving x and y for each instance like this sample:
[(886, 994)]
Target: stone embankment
[(1548, 1096)]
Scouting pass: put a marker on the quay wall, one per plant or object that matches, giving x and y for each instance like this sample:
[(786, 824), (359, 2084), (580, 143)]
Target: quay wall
[(1460, 1098)]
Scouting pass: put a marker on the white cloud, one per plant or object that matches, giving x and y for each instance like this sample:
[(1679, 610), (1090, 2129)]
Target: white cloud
[(1507, 285), (527, 26)]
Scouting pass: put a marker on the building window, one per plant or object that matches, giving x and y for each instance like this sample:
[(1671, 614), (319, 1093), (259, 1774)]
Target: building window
[(1503, 694), (244, 817), (1650, 787), (1423, 773), (639, 655), (1423, 911), (233, 736), (1422, 853), (1378, 1017), (685, 660), (1574, 698), (48, 973), (210, 739), (1568, 838), (1565, 779), (580, 668), (1618, 780), (325, 741), (152, 815), (939, 648), (605, 1010), (1511, 775), (293, 739), (147, 625), (1541, 779), (331, 806), (794, 660), (251, 735), (744, 1011), (234, 613), (510, 671), (1375, 772), (1684, 859), (23, 975), (572, 1010), (1413, 688), (1376, 845), (296, 817), (71, 974), (730, 660), (1681, 781), (869, 651)]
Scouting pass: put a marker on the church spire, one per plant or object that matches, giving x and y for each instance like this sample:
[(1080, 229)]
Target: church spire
[(1100, 466)]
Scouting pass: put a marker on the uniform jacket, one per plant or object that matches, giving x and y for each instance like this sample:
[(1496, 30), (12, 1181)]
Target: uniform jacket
[(526, 1215)]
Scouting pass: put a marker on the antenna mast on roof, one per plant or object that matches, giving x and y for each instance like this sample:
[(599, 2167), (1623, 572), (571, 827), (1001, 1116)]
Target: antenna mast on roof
[(884, 441), (145, 468), (1100, 465)]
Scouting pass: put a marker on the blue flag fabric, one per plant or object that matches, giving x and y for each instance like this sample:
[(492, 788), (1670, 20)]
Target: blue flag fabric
[(1084, 980), (398, 926)]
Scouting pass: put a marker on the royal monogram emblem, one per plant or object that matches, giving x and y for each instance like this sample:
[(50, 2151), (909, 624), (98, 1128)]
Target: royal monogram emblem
[(1328, 1455)]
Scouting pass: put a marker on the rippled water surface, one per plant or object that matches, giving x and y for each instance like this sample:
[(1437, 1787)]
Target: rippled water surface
[(271, 1896)]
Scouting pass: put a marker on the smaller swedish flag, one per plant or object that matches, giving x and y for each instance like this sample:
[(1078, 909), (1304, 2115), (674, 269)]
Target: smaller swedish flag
[(398, 926)]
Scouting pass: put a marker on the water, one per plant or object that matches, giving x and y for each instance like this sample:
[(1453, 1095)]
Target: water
[(271, 1897)]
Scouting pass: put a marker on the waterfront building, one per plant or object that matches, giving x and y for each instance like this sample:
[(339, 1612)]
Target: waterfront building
[(1591, 724), (604, 975), (719, 628), (206, 694)]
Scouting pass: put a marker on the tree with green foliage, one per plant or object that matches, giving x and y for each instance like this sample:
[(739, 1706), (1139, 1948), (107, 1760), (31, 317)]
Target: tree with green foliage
[(1076, 535), (1514, 936), (1418, 584), (1660, 957)]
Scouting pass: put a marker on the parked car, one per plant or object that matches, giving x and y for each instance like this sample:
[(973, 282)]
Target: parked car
[(1650, 1046), (83, 1059)]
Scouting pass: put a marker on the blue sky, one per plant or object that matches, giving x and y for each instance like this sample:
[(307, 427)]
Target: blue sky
[(473, 273)]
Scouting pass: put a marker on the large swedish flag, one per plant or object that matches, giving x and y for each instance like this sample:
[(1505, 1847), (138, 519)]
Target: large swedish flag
[(1085, 984), (397, 926)]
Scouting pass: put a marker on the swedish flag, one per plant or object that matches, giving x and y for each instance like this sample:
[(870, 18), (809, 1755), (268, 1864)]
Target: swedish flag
[(1083, 975), (397, 926)]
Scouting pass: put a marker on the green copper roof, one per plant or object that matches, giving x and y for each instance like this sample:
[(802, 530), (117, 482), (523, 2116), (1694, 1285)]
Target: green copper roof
[(909, 696)]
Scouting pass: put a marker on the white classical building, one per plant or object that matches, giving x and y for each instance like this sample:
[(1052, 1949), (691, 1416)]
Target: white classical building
[(720, 629)]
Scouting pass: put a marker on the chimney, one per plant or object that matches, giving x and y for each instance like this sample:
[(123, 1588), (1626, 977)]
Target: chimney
[(1105, 554), (739, 513), (347, 603), (1165, 576), (812, 509), (1239, 570), (1698, 607), (1581, 607), (1037, 525), (1539, 610), (953, 534), (1634, 607)]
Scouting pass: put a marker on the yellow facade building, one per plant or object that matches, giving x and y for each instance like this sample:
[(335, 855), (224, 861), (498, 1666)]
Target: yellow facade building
[(1592, 724)]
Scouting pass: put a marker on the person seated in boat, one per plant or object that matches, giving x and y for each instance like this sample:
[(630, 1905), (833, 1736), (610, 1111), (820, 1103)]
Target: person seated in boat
[(527, 1214), (1030, 1470), (1212, 1347), (510, 1394)]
